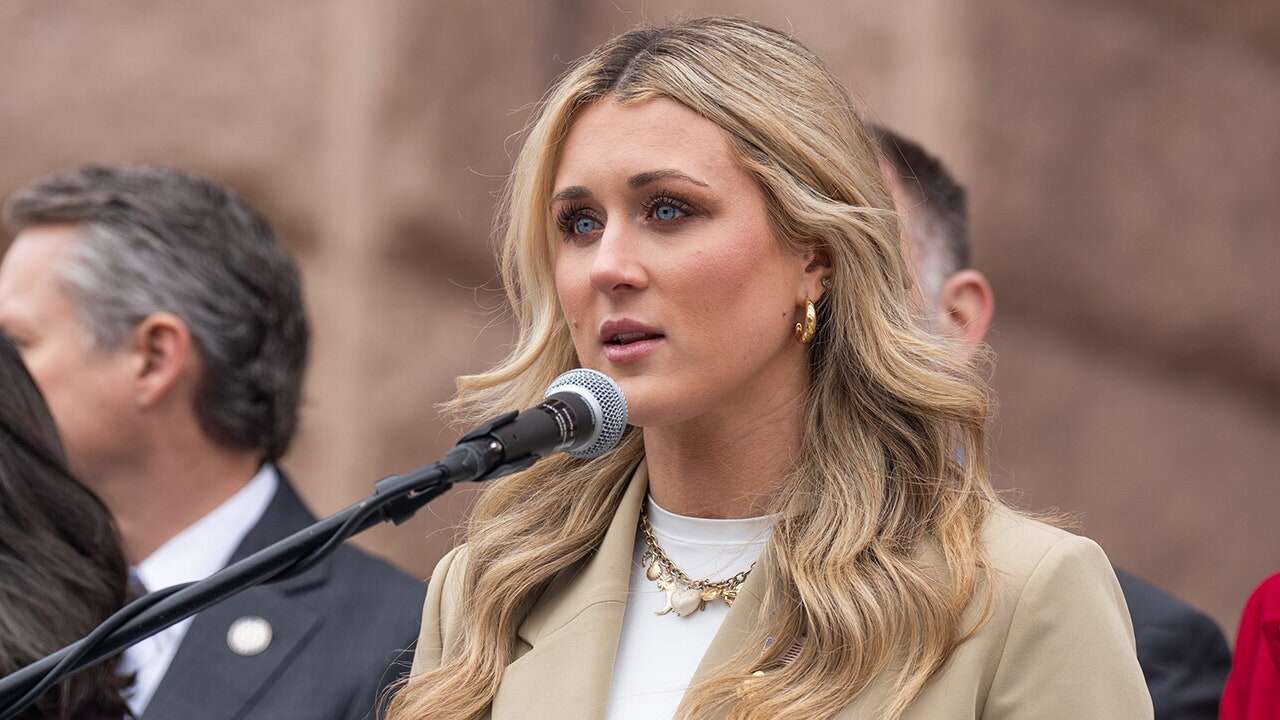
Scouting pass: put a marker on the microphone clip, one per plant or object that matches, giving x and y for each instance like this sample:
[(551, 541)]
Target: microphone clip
[(487, 428), (485, 432)]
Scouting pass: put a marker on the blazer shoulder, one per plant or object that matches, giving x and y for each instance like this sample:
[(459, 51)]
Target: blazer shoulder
[(440, 610), (1017, 545), (1036, 566), (358, 566), (1057, 623), (369, 593), (1267, 595), (448, 574)]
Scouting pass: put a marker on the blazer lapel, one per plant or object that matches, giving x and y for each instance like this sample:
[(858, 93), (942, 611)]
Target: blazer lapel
[(572, 631), (207, 678), (742, 620)]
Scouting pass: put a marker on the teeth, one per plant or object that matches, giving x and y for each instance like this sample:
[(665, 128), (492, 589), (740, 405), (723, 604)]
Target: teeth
[(624, 338)]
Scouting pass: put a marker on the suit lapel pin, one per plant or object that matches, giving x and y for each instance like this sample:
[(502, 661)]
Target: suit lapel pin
[(249, 636)]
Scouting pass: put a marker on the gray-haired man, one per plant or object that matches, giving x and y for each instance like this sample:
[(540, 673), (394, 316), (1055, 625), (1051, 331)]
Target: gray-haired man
[(165, 325), (1183, 654)]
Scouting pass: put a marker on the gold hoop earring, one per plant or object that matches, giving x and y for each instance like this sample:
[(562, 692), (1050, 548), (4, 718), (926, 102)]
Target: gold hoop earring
[(807, 329)]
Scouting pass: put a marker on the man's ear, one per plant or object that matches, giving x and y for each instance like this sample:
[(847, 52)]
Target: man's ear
[(966, 307), (162, 347)]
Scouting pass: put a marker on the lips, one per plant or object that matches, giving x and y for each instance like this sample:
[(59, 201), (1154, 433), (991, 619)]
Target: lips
[(628, 341)]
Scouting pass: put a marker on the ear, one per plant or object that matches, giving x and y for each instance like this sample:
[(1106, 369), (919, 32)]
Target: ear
[(817, 269), (162, 347), (966, 306)]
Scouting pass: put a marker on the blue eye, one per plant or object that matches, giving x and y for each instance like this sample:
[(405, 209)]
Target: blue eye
[(584, 225), (666, 212)]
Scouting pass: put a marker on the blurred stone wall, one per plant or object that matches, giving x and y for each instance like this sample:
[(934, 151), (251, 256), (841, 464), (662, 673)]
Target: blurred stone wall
[(1119, 155)]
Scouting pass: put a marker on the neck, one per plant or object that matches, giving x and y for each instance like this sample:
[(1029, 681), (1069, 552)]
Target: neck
[(727, 464), (168, 491)]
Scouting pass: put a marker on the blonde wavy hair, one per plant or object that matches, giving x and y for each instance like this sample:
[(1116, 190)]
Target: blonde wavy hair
[(877, 550)]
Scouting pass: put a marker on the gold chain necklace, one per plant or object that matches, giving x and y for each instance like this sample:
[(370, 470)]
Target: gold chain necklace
[(685, 595)]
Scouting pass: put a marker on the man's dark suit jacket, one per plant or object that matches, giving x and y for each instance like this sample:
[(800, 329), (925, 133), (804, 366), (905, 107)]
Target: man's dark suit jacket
[(340, 632), (1183, 653)]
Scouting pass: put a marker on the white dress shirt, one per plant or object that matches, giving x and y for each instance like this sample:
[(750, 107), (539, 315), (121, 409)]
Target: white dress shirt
[(658, 654), (193, 554)]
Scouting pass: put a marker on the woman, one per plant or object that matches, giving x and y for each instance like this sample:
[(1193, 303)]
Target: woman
[(786, 530), (62, 570)]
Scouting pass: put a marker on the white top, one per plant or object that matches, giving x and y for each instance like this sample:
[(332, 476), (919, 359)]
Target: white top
[(658, 654), (193, 554)]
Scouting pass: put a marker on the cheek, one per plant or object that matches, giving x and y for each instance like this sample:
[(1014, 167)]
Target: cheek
[(738, 295), (48, 367), (573, 291), (70, 373), (729, 307), (94, 406), (68, 393)]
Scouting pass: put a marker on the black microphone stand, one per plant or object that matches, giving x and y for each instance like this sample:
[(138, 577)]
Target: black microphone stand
[(478, 456)]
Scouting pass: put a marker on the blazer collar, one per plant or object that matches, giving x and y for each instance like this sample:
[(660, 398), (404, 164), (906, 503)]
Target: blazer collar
[(739, 623), (285, 515), (570, 637), (605, 576), (208, 679)]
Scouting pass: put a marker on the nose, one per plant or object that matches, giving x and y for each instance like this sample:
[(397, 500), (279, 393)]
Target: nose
[(617, 265)]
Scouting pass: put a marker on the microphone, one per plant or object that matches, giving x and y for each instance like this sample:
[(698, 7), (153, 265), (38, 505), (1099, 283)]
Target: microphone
[(583, 413)]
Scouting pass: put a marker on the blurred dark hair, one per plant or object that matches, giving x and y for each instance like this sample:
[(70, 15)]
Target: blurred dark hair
[(156, 239), (62, 570), (942, 197)]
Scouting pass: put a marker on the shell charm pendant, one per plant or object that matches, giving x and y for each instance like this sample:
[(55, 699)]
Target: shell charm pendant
[(683, 601)]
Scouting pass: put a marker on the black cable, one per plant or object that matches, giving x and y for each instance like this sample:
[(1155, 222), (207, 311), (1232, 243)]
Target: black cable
[(347, 529), (88, 643)]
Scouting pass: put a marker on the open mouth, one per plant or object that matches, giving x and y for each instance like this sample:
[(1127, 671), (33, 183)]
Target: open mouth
[(627, 340), (631, 337)]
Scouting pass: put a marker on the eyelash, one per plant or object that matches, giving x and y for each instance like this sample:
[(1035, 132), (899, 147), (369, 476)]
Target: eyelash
[(569, 214), (665, 198)]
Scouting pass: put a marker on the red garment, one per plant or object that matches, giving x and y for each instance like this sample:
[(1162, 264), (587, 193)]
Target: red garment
[(1253, 688)]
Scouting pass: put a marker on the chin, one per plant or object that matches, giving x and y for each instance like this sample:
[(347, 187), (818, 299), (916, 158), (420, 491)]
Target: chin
[(654, 401)]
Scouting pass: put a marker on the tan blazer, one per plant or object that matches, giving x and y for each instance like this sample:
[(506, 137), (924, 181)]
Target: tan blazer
[(1058, 645)]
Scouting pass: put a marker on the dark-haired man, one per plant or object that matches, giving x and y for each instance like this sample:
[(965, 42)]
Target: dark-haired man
[(165, 325), (1183, 653)]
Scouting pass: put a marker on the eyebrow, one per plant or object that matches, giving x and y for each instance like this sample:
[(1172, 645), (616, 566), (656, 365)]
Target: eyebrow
[(578, 192), (574, 192), (645, 178)]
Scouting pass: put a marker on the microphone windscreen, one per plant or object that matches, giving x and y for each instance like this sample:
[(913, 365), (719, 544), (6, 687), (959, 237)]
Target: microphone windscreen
[(608, 409)]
